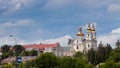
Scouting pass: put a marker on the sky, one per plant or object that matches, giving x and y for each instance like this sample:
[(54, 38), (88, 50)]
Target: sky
[(50, 21)]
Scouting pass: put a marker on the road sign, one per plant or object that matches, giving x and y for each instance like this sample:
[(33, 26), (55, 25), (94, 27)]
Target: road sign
[(19, 59)]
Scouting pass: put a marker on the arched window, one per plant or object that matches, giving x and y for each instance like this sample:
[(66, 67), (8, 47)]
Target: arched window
[(77, 47), (77, 41), (88, 45), (88, 34)]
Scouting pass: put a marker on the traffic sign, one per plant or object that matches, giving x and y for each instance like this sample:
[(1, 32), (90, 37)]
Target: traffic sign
[(19, 59)]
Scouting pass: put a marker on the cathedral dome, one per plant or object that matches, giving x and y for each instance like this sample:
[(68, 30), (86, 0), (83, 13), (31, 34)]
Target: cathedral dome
[(80, 34)]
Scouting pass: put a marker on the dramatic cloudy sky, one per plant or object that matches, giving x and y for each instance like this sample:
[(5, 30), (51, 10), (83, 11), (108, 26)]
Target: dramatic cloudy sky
[(49, 21)]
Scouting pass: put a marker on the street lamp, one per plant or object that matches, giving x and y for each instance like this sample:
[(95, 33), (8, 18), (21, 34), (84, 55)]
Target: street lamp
[(14, 39), (17, 59)]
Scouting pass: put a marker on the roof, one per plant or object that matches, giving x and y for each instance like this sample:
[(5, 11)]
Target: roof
[(66, 49), (40, 46)]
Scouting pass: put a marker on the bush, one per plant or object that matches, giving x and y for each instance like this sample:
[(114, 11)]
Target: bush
[(7, 66)]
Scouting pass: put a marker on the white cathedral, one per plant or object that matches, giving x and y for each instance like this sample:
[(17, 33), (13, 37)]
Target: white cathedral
[(82, 44)]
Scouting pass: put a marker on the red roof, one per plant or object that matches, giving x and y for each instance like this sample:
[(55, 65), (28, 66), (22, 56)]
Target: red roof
[(40, 46)]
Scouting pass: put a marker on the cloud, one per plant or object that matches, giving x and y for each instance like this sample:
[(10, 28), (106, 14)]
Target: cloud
[(110, 38), (30, 3), (12, 41), (116, 31), (62, 40), (54, 4), (9, 6), (114, 8), (7, 40), (93, 3), (13, 26), (22, 22)]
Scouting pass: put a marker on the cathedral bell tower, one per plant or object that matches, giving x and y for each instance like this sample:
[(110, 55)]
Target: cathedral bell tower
[(80, 34), (93, 32), (89, 32)]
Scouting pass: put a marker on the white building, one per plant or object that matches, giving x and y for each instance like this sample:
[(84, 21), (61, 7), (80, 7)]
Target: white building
[(82, 44)]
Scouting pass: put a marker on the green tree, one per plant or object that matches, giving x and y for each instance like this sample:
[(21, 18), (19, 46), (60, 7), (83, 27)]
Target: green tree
[(26, 53), (79, 55), (110, 64), (91, 56), (101, 51), (46, 60), (80, 64), (67, 62), (117, 49), (108, 50), (4, 55), (7, 66), (28, 64), (114, 56), (18, 49), (33, 53), (5, 48), (117, 43)]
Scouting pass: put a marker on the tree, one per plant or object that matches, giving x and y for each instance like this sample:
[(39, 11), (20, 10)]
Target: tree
[(33, 53), (91, 55), (67, 62), (79, 55), (4, 55), (18, 49), (114, 56), (28, 64), (117, 43), (101, 52), (110, 64), (117, 49), (6, 52), (108, 50), (5, 48), (7, 66), (26, 53), (46, 60), (82, 64)]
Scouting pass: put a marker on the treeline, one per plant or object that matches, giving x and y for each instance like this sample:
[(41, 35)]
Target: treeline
[(48, 60), (103, 57), (16, 50)]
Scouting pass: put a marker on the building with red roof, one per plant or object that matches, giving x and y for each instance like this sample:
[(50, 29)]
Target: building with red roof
[(54, 48)]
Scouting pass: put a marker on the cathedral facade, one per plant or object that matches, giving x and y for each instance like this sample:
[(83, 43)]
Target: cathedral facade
[(82, 43)]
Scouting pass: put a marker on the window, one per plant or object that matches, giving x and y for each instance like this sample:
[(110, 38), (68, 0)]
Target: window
[(77, 41), (77, 47), (88, 45)]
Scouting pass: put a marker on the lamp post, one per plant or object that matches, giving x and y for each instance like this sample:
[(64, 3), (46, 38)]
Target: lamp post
[(16, 56), (14, 39)]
